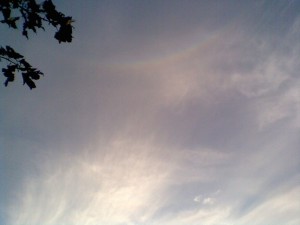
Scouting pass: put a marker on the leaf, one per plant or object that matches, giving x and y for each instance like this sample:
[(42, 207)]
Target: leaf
[(25, 33), (28, 81), (48, 6), (12, 22), (64, 34), (6, 13), (2, 51), (9, 73), (34, 74), (25, 63), (6, 82), (12, 54)]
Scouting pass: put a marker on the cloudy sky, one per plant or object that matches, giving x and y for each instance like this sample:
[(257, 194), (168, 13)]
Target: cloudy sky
[(158, 113)]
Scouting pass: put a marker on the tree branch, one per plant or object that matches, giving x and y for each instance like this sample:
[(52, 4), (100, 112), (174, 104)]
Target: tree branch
[(9, 60)]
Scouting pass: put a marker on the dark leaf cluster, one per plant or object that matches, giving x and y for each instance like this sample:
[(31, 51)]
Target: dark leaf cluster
[(17, 63), (32, 16)]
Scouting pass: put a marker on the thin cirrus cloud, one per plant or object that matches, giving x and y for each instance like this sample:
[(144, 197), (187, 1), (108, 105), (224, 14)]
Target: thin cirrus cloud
[(110, 186), (154, 130)]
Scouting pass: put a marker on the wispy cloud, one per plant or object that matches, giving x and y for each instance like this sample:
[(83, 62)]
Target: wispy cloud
[(151, 129), (276, 210), (116, 184)]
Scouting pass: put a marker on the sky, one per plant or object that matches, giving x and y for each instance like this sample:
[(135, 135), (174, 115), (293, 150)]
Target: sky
[(158, 113)]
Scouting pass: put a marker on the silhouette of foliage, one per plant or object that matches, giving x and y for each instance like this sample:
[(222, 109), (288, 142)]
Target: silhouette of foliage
[(32, 16)]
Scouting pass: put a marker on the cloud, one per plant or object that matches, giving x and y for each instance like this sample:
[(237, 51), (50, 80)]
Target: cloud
[(280, 208), (134, 141), (208, 201), (198, 198), (118, 184), (281, 106), (122, 181), (209, 216)]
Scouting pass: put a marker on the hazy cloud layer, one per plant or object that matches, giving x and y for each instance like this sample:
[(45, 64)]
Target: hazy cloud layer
[(159, 113)]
